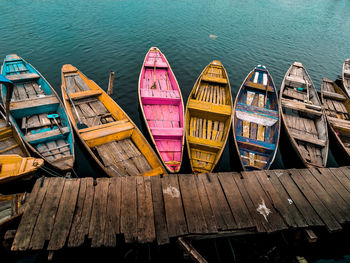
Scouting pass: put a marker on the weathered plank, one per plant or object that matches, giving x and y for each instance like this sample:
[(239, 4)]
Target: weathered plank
[(192, 205), (342, 177), (64, 215), (26, 227), (82, 215), (128, 218), (112, 227), (98, 214), (145, 217), (174, 213), (238, 207), (221, 209), (159, 212), (269, 217), (46, 218), (320, 208)]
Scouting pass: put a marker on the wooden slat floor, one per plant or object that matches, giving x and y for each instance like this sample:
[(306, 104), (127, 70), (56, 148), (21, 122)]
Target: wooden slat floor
[(72, 212)]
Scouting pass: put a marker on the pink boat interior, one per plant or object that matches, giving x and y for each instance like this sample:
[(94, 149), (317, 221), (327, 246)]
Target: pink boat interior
[(162, 106)]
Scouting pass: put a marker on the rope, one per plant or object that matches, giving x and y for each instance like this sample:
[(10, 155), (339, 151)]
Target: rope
[(50, 172)]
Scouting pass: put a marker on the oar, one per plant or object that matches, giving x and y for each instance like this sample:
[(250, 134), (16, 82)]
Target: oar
[(54, 116), (154, 86), (80, 124)]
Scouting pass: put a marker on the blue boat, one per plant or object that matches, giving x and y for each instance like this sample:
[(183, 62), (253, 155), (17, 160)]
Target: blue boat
[(256, 120), (38, 114)]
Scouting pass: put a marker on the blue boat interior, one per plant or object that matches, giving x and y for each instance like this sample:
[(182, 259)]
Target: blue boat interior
[(37, 112), (256, 120)]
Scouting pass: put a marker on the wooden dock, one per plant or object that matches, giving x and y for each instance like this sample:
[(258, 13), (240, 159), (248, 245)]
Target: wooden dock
[(72, 212)]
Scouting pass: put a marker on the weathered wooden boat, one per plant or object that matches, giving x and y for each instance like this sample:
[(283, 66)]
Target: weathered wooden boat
[(346, 76), (162, 108), (208, 117), (10, 207), (303, 117), (256, 120), (13, 167), (38, 114), (337, 109), (106, 131)]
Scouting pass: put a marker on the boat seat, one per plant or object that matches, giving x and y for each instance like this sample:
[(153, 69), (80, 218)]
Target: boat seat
[(49, 135), (105, 133), (334, 95), (155, 96), (258, 86), (303, 107), (166, 132), (38, 105), (158, 64), (214, 79), (204, 144), (22, 77), (308, 139), (256, 114), (255, 145), (85, 94), (208, 108), (347, 73)]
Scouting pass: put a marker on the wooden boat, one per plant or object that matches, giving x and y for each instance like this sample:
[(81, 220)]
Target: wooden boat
[(346, 76), (337, 109), (13, 166), (256, 120), (38, 115), (208, 117), (106, 131), (162, 108), (303, 117), (10, 207)]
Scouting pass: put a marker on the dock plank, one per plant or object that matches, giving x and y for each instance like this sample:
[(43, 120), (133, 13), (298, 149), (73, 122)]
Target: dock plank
[(27, 224), (82, 215), (159, 211), (320, 208), (64, 214), (269, 217), (174, 213), (99, 211), (342, 177), (46, 218), (112, 227), (221, 209), (238, 207), (193, 209), (128, 218), (146, 232)]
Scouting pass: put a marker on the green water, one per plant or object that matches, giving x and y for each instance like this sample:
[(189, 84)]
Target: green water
[(99, 36)]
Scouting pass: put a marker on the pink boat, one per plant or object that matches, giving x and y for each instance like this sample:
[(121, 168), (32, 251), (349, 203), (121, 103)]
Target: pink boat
[(162, 108)]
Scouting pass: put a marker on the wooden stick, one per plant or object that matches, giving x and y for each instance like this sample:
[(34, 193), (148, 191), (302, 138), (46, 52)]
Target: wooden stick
[(110, 83), (188, 248)]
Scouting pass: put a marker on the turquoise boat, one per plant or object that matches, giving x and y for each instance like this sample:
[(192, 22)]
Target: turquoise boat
[(38, 114)]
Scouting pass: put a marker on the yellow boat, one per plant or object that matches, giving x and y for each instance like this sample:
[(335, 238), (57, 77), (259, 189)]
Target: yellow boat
[(11, 206), (208, 118), (13, 167), (106, 131)]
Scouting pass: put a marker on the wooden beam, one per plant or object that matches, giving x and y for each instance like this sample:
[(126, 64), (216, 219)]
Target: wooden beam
[(334, 96), (308, 139), (303, 107)]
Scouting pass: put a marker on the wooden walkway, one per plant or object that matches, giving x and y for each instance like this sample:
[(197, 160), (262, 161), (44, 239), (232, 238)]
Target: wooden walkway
[(72, 212)]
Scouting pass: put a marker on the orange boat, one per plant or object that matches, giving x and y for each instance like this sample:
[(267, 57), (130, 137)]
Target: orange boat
[(106, 131), (208, 117)]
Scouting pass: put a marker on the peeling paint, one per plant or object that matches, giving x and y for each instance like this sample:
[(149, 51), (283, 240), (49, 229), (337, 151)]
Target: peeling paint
[(263, 210), (172, 191), (290, 201)]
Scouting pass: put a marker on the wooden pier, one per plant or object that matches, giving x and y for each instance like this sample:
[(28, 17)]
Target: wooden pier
[(72, 212)]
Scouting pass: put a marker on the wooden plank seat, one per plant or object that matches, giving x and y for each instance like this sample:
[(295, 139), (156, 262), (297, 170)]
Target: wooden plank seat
[(258, 86), (22, 77), (32, 106), (256, 114), (209, 108), (254, 145), (214, 79), (158, 64), (295, 79), (339, 124), (334, 96), (303, 107), (108, 132), (308, 139), (85, 94), (50, 135), (204, 144), (347, 73), (167, 132), (154, 96)]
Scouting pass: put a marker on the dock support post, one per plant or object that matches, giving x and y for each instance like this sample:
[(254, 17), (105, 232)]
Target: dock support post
[(110, 83)]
